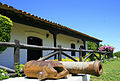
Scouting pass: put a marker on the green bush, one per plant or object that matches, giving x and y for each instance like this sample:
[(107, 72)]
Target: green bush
[(117, 54), (91, 45), (18, 69), (3, 74), (5, 29)]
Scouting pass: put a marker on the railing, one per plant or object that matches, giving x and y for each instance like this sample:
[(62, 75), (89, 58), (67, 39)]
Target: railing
[(57, 50)]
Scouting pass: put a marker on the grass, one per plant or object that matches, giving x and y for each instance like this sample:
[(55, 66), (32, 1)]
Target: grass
[(111, 71)]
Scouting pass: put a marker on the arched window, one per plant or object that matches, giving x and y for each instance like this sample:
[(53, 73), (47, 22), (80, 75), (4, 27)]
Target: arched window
[(82, 47), (73, 47)]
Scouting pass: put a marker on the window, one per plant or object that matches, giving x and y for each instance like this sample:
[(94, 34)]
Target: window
[(73, 47), (34, 54), (82, 47)]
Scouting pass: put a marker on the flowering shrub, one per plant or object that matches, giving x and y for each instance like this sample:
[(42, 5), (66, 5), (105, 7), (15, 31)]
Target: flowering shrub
[(68, 59), (106, 48)]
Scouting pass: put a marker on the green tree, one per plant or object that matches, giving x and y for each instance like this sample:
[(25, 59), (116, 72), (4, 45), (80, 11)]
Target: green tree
[(91, 45), (5, 29), (100, 45), (117, 54)]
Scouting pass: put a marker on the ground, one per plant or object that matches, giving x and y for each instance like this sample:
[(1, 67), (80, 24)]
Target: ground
[(111, 71)]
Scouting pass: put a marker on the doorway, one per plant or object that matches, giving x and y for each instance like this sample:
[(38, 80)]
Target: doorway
[(73, 47), (34, 54)]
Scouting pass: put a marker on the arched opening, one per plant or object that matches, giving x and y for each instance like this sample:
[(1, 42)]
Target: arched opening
[(34, 54), (73, 47)]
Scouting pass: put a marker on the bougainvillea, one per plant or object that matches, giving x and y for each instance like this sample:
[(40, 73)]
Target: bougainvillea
[(5, 29), (106, 48)]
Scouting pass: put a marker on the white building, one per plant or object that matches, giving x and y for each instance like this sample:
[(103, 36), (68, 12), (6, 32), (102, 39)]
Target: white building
[(30, 29)]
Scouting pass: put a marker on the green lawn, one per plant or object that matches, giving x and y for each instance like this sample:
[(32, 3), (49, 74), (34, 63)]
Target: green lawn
[(111, 71)]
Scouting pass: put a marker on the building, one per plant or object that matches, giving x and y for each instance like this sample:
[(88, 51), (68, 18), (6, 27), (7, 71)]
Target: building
[(30, 29)]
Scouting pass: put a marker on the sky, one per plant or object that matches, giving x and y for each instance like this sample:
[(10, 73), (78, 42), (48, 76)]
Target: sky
[(97, 18)]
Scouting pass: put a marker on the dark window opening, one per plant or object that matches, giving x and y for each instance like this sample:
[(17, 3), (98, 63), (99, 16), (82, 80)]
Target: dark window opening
[(34, 54), (82, 47), (73, 47)]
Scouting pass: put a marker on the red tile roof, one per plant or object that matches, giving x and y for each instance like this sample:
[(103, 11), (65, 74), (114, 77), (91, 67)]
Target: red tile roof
[(6, 7)]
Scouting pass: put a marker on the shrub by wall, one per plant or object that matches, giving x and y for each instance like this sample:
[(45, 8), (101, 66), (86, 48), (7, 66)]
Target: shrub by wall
[(5, 29)]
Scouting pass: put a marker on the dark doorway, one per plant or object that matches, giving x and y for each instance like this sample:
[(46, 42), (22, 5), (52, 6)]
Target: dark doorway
[(34, 54), (73, 47)]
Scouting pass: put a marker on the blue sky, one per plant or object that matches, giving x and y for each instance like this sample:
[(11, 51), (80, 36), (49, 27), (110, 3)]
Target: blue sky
[(97, 18)]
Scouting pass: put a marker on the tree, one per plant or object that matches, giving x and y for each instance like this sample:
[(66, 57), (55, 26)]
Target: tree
[(117, 54), (91, 45), (5, 30)]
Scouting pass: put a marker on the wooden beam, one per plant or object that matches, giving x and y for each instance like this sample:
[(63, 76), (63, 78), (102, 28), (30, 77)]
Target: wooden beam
[(34, 47), (60, 54), (103, 56), (87, 57), (54, 32), (15, 74), (55, 39), (12, 74), (7, 69), (16, 54), (97, 57), (48, 56), (55, 42), (85, 47), (80, 55), (69, 57)]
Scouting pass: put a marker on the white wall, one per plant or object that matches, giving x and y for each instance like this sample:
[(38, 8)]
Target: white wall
[(21, 32), (65, 41)]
